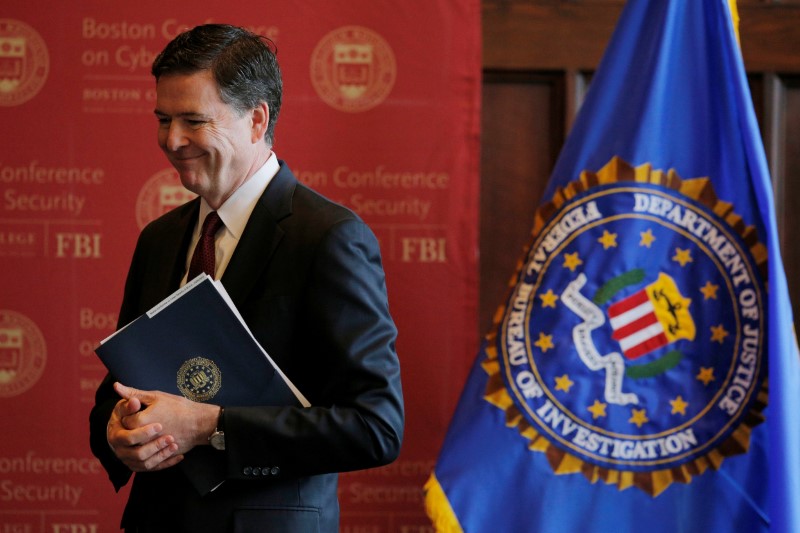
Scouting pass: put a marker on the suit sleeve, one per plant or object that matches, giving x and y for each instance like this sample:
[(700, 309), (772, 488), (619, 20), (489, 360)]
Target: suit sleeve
[(346, 339), (105, 396)]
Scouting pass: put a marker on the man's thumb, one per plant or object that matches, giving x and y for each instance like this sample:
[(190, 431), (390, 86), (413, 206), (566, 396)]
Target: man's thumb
[(129, 393)]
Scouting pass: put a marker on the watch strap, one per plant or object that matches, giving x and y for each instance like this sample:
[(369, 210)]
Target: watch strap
[(221, 420)]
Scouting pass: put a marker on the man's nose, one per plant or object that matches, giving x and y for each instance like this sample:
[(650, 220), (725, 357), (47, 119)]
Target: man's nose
[(176, 137)]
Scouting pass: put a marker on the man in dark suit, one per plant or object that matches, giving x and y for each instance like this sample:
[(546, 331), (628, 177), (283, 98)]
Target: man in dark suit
[(306, 275)]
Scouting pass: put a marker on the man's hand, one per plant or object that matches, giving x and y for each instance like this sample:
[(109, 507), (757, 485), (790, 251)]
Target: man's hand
[(166, 424), (144, 448)]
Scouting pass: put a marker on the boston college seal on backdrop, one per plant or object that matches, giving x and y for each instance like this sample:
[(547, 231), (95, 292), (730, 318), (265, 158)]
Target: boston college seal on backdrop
[(24, 62), (161, 193), (631, 348), (23, 353), (353, 69)]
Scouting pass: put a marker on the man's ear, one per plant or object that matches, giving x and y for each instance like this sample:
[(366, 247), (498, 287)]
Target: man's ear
[(260, 120)]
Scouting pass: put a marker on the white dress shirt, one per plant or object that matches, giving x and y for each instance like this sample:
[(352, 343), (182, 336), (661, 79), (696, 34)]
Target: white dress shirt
[(234, 213)]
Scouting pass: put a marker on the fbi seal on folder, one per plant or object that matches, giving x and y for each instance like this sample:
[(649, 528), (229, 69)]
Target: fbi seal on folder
[(199, 379)]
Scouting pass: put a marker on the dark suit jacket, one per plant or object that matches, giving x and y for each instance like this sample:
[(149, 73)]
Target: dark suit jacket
[(308, 280)]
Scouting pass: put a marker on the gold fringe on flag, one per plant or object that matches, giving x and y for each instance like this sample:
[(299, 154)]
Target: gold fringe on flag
[(735, 19), (438, 508)]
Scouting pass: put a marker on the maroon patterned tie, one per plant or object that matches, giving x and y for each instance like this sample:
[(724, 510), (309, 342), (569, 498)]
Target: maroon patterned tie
[(203, 257)]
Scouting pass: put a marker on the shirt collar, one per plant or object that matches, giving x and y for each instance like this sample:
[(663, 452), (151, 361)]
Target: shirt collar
[(235, 212)]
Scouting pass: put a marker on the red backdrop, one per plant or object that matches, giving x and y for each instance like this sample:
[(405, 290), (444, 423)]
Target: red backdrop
[(381, 109)]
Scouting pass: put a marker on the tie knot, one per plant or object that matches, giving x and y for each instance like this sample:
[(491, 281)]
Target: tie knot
[(211, 225), (203, 259)]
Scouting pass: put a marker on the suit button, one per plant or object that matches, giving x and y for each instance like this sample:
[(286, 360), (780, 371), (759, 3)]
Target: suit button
[(256, 471), (275, 471), (265, 471), (247, 471)]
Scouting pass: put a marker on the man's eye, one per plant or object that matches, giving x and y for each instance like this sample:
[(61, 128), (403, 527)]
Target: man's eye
[(196, 122), (163, 121)]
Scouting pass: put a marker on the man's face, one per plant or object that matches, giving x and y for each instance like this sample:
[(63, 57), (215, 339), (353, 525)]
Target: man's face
[(212, 146)]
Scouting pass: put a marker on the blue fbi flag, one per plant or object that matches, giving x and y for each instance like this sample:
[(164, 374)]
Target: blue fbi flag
[(625, 386)]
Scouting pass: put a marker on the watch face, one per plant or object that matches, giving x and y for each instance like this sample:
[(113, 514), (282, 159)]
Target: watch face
[(217, 440)]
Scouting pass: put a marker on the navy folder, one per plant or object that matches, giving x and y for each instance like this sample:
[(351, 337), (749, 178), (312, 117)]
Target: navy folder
[(195, 344)]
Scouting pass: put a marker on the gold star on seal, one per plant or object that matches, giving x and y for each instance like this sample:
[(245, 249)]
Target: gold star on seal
[(549, 299), (718, 333), (706, 375), (647, 238), (679, 405), (597, 409), (682, 256), (564, 383), (545, 342), (608, 240), (571, 261), (638, 417), (709, 290)]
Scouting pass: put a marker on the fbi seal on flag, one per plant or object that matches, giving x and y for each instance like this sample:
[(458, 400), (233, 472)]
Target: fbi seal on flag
[(631, 348)]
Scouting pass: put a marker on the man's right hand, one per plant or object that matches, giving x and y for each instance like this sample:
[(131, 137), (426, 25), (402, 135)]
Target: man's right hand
[(143, 449)]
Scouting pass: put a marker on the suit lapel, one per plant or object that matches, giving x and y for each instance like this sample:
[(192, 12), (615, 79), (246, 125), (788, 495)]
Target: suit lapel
[(183, 235), (167, 249), (261, 236)]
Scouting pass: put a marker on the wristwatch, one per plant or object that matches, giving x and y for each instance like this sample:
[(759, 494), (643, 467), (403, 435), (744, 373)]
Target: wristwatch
[(217, 439)]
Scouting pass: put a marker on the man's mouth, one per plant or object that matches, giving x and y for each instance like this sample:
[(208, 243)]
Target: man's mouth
[(185, 157)]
